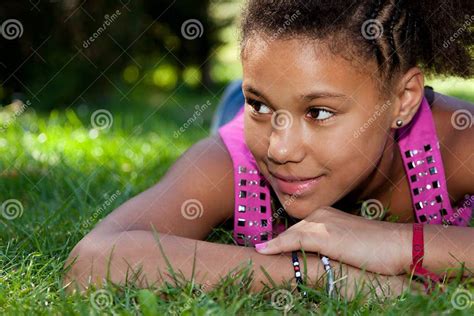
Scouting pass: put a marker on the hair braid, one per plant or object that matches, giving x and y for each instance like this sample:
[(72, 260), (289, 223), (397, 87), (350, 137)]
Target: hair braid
[(433, 34), (390, 37)]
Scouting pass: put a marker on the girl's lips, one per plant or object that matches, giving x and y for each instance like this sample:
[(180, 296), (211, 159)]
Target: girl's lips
[(296, 187)]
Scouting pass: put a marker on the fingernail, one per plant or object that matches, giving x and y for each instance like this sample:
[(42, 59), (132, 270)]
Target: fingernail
[(260, 246)]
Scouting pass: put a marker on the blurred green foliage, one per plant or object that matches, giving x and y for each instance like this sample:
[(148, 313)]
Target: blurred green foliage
[(73, 52)]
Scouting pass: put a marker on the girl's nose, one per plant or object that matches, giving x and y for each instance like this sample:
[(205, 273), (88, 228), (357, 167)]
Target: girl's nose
[(285, 144)]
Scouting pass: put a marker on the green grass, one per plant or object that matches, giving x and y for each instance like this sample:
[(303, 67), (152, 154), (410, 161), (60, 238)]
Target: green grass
[(63, 172)]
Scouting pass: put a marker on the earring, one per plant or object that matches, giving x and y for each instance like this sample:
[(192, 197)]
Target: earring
[(399, 123)]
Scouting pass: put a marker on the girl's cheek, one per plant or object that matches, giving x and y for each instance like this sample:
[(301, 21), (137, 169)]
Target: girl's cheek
[(256, 137)]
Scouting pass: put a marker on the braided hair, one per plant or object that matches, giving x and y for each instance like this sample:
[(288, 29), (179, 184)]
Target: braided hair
[(397, 34)]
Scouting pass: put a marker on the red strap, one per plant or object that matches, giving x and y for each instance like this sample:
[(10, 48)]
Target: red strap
[(417, 255)]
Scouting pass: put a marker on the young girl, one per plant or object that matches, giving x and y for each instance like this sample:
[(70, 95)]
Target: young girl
[(339, 150)]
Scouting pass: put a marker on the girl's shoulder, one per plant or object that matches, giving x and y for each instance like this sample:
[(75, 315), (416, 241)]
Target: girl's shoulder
[(453, 120)]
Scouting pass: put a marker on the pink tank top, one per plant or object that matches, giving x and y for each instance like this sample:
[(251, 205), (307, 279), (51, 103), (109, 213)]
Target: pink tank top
[(255, 216)]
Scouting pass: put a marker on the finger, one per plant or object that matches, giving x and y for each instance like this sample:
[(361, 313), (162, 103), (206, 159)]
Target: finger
[(286, 243)]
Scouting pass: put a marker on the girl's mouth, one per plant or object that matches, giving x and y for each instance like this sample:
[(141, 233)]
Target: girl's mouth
[(293, 186)]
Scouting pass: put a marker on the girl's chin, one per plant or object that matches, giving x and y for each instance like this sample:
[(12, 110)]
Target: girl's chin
[(297, 212), (298, 208)]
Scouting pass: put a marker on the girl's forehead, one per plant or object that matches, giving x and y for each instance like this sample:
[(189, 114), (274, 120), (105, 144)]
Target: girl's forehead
[(260, 47), (299, 67)]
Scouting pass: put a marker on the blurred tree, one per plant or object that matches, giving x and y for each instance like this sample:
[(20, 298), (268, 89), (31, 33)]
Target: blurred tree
[(71, 50)]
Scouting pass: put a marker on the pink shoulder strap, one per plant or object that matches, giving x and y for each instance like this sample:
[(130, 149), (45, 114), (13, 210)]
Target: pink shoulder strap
[(253, 220), (419, 147)]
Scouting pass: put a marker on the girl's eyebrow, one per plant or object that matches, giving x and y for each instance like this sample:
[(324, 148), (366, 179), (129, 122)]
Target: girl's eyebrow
[(306, 97), (252, 90), (321, 94)]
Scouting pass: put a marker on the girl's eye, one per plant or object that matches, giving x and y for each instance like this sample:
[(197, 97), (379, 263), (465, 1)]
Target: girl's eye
[(258, 107), (320, 114)]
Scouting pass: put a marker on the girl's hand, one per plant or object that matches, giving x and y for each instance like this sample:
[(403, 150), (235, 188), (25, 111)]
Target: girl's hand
[(376, 246)]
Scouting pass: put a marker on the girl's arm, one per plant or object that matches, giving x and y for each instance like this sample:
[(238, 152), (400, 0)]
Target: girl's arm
[(378, 246), (140, 250), (195, 195), (445, 248)]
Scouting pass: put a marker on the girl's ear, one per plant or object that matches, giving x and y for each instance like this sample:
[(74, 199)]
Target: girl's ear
[(409, 95)]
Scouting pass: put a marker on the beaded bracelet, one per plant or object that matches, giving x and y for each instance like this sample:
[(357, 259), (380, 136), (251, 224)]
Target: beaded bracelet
[(330, 273), (296, 268)]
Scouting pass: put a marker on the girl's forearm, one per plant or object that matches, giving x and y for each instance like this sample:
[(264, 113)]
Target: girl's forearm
[(140, 250), (445, 248), (135, 248)]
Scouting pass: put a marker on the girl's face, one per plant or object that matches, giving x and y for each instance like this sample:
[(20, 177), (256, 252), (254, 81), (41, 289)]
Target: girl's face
[(310, 114)]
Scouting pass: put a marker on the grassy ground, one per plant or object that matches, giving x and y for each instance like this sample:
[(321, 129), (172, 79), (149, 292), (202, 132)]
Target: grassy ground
[(59, 175)]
